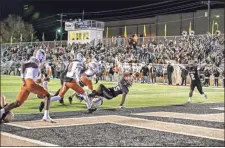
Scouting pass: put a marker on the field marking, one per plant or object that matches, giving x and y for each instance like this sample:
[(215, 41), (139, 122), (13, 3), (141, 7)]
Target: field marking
[(196, 131), (203, 117), (218, 108), (190, 130), (7, 139)]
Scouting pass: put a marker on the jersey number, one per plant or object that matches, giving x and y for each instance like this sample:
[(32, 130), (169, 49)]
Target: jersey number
[(192, 76), (116, 88)]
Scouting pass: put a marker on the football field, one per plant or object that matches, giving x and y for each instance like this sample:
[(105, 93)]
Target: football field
[(155, 115), (140, 95)]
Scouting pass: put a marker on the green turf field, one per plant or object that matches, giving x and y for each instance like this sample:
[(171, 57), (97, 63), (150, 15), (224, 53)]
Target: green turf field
[(140, 95)]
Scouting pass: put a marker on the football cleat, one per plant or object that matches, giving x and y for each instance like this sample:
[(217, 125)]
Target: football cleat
[(70, 100), (91, 110), (41, 107), (121, 106), (3, 117), (48, 119), (61, 101)]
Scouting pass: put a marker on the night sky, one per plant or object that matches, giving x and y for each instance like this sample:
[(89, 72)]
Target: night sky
[(43, 13)]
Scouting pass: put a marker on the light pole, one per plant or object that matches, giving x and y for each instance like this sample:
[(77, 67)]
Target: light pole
[(56, 33), (215, 17)]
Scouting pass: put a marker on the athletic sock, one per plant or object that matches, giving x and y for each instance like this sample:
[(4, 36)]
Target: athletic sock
[(46, 114), (2, 111), (55, 98), (87, 100), (189, 99)]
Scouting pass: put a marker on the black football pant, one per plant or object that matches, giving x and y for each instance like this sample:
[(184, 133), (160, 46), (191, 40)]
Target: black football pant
[(184, 80), (105, 92), (216, 82), (198, 85), (170, 79)]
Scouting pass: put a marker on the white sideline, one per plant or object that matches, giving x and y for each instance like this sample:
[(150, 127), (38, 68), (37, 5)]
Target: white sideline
[(28, 140), (219, 108)]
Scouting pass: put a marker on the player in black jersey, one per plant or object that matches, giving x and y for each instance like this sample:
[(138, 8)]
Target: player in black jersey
[(120, 88), (195, 81)]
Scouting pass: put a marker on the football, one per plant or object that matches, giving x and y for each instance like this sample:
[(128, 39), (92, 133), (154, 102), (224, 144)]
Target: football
[(98, 101), (9, 117)]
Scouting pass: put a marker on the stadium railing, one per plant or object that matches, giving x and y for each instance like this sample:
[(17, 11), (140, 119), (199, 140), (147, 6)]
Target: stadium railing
[(112, 42)]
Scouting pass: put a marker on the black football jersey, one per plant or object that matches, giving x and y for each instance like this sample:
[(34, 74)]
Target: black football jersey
[(120, 88), (193, 73)]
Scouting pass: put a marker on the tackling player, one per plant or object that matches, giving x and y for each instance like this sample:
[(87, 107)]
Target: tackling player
[(29, 73), (120, 88), (87, 75), (72, 81)]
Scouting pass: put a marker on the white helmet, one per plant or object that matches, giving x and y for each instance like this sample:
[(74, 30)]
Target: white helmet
[(40, 55), (80, 57)]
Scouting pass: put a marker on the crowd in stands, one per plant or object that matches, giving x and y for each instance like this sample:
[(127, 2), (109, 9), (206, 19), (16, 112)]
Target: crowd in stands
[(149, 61)]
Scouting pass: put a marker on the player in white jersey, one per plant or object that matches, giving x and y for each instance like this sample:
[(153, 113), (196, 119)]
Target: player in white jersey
[(72, 80), (29, 73), (87, 76)]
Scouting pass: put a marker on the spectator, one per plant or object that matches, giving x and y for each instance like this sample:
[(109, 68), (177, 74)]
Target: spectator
[(207, 78), (153, 74), (111, 73), (170, 70), (216, 77), (184, 74), (145, 73)]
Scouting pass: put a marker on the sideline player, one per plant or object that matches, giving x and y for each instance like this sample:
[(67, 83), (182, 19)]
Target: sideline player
[(195, 80), (86, 77), (120, 88), (72, 81), (29, 73)]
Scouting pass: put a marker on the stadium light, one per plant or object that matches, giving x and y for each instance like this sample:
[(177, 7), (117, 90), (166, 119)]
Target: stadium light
[(59, 30), (217, 25), (217, 16)]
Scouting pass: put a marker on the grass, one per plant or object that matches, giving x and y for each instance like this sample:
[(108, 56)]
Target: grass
[(140, 95)]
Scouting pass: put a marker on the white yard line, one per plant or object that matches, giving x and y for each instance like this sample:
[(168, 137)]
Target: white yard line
[(27, 139)]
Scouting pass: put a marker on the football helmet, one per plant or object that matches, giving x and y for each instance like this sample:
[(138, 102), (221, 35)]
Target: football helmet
[(80, 57), (40, 55)]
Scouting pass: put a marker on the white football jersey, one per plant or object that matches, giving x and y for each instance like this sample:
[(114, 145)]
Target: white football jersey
[(31, 73), (93, 69), (74, 70)]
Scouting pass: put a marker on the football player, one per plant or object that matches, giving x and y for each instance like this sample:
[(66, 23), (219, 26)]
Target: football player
[(121, 88), (195, 80), (87, 75), (72, 80), (29, 73)]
